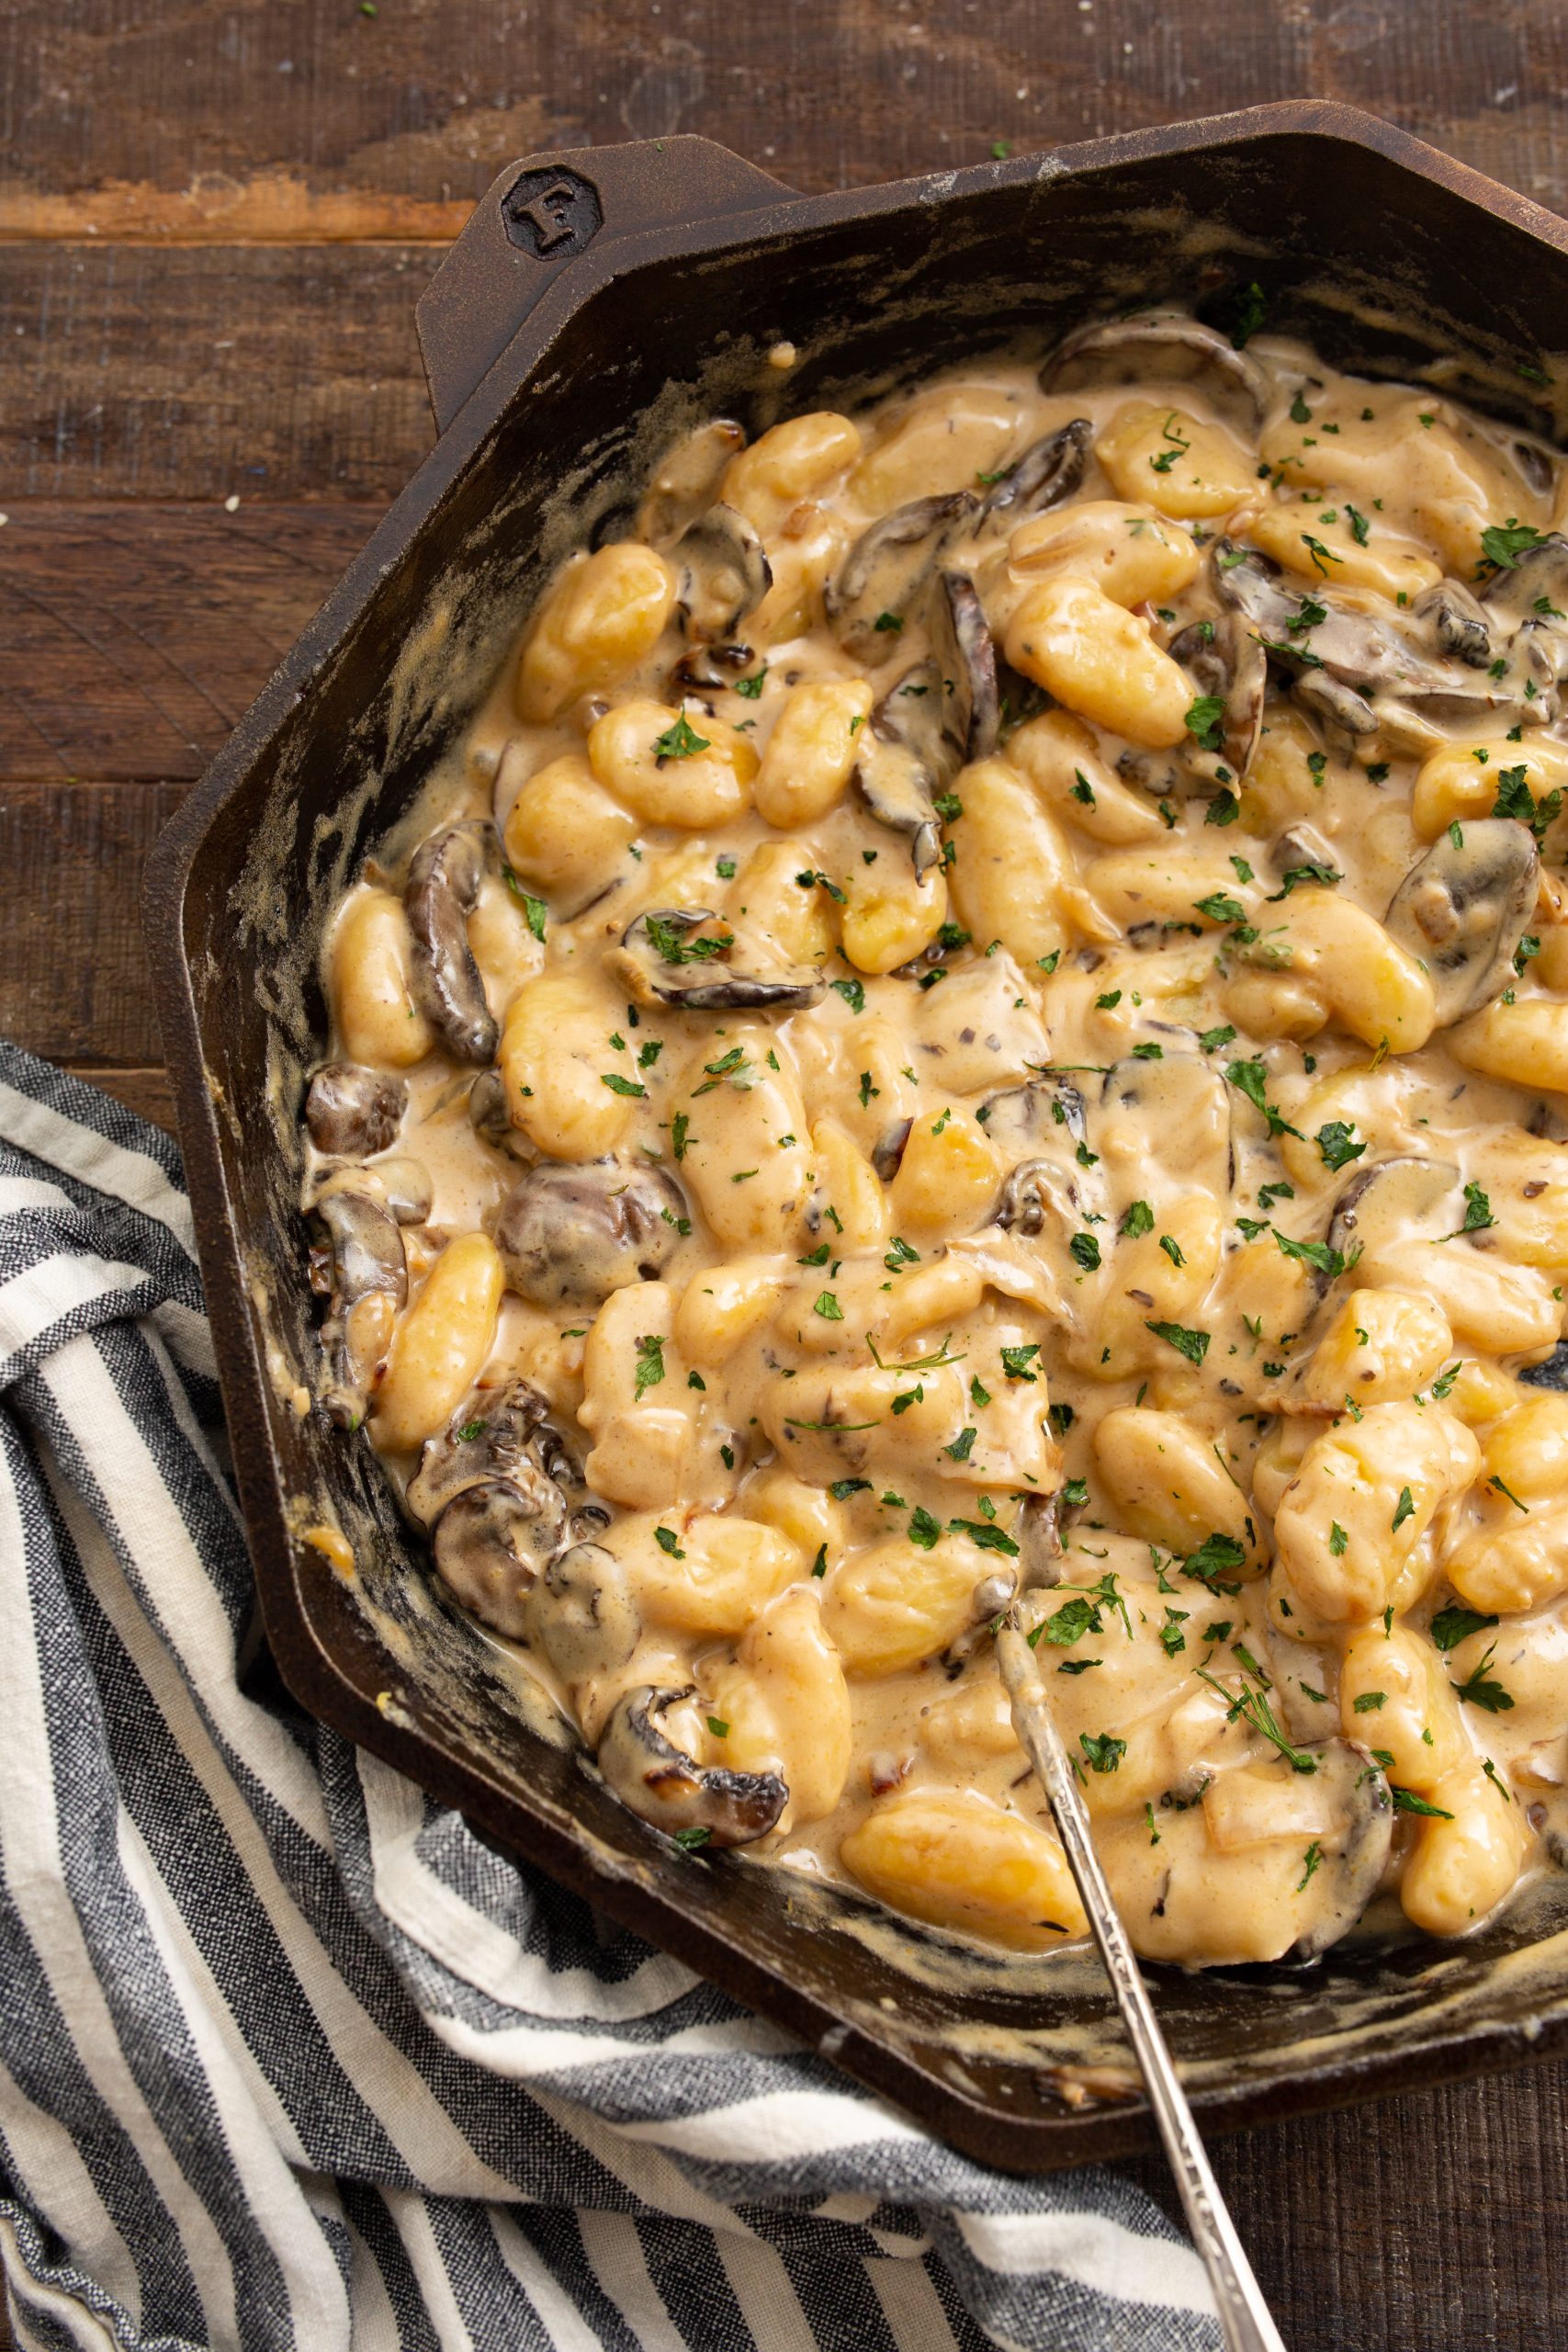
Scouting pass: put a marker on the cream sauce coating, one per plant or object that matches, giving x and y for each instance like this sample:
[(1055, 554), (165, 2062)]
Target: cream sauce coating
[(1134, 1175)]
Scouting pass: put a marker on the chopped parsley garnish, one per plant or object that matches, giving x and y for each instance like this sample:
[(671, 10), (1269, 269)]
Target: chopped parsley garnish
[(1252, 1705), (1102, 1752), (988, 1538), (1207, 1566), (1335, 1147), (752, 688), (619, 1085), (852, 992), (1194, 1345), (680, 741), (1016, 1360), (1251, 1078), (1205, 721), (924, 1530), (963, 1444), (1478, 1690), (828, 1307), (1220, 907), (1084, 1250), (1327, 1261), (1454, 1625), (1139, 1218), (1405, 1509), (669, 1543), (649, 1364), (1501, 544), (1406, 1801)]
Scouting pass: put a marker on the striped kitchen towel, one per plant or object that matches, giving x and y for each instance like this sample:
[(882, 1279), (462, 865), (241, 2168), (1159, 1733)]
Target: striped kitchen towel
[(289, 2058)]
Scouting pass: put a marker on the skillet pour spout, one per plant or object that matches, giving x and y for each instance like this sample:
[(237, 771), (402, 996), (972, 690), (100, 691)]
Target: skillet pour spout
[(598, 300)]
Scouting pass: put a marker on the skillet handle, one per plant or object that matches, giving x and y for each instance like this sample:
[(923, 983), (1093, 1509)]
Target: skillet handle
[(538, 215)]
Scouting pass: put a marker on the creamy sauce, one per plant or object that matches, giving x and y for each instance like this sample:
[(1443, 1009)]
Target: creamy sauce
[(1023, 1229)]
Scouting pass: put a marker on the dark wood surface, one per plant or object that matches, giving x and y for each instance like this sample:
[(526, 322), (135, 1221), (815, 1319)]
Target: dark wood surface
[(214, 222)]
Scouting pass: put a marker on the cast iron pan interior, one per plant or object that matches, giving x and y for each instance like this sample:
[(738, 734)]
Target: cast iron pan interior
[(1392, 259)]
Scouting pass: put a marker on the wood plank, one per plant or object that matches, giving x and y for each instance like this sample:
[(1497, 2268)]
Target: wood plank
[(111, 109), (145, 1092), (202, 371), (74, 982), (1438, 2221), (132, 638)]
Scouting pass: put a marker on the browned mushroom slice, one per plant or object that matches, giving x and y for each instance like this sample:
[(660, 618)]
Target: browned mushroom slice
[(1457, 623), (1533, 587), (723, 574), (1463, 909), (910, 752), (1167, 346), (686, 479), (487, 1438), (679, 957), (491, 1543), (353, 1112), (1048, 1109), (569, 1235), (967, 656), (1224, 658), (1048, 472), (663, 1786), (887, 1151), (1352, 1861), (1340, 706), (582, 1615), (708, 670), (878, 584), (1388, 1203), (490, 1119), (443, 888), (1039, 1536), (370, 1283)]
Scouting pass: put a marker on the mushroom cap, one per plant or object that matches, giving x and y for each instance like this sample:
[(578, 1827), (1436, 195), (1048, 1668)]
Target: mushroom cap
[(967, 656), (1347, 1877), (569, 1233), (353, 1112), (1386, 1202), (699, 979), (1464, 908), (881, 578), (1169, 346), (442, 887), (663, 1786), (487, 1438), (491, 1542), (1224, 657), (723, 574), (911, 751), (367, 1261), (1514, 593), (582, 1615), (1049, 471)]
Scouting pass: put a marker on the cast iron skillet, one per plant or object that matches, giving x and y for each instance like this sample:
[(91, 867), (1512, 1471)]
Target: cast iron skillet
[(595, 302)]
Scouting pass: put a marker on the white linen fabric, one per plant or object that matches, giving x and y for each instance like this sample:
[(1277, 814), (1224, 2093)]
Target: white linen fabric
[(289, 2057)]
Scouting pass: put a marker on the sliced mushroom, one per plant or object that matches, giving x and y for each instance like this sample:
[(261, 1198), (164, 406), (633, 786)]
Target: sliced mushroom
[(369, 1283), (1026, 1117), (443, 888), (1534, 587), (502, 1493), (1358, 670), (887, 1151), (353, 1112), (1464, 908), (1457, 623), (668, 957), (1048, 472), (910, 752), (492, 1541), (1168, 346), (962, 643), (708, 670), (879, 582), (569, 1234), (723, 574), (1302, 845), (487, 1438), (490, 1118), (582, 1615), (1036, 1194), (1224, 657), (662, 1785), (1039, 1537), (686, 479), (1388, 1203), (1353, 1861)]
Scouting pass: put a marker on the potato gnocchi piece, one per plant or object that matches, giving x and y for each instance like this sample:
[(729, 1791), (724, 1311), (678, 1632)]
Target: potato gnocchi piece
[(951, 1857)]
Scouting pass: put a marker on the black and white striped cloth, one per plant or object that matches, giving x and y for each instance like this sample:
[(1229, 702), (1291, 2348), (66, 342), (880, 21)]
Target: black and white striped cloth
[(290, 2059)]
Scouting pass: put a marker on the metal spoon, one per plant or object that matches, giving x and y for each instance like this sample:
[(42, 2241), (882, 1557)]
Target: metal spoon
[(1243, 2316)]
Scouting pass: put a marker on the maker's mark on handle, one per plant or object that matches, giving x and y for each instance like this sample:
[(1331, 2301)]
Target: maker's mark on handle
[(551, 212)]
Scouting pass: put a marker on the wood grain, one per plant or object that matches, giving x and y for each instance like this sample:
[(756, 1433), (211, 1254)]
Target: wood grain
[(214, 223), (132, 638)]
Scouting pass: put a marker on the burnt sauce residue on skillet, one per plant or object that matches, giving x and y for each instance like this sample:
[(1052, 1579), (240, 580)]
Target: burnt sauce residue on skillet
[(984, 1015)]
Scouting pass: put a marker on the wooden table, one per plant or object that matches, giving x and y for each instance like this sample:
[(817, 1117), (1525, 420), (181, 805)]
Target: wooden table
[(214, 221)]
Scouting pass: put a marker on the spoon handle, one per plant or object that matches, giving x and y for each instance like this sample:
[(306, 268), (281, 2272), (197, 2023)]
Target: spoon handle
[(1245, 2320)]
